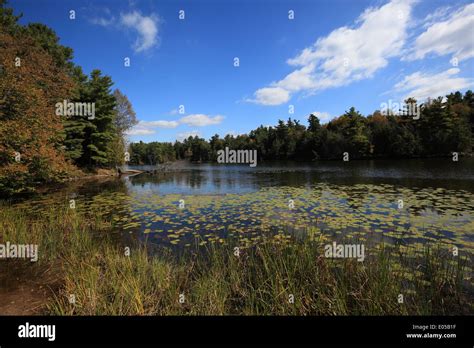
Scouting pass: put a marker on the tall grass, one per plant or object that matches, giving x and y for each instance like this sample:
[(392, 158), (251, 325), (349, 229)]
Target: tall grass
[(96, 272)]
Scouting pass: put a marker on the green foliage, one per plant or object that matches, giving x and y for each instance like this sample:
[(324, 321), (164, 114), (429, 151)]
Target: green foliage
[(8, 21), (444, 126), (151, 153), (99, 131), (82, 251), (49, 41), (49, 143)]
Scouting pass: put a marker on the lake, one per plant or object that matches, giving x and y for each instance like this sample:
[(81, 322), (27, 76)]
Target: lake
[(409, 202)]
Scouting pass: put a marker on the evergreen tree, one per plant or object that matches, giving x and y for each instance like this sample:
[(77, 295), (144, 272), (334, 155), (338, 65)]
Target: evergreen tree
[(99, 131)]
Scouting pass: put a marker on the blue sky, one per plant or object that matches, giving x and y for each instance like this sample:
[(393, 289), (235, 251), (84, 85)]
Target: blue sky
[(332, 55)]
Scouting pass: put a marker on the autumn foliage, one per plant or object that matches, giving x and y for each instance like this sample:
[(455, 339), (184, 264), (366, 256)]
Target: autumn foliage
[(30, 131)]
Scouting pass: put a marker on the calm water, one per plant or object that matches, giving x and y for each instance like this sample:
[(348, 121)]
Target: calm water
[(405, 201), (220, 179)]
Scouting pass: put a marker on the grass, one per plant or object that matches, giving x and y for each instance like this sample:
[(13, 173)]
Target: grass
[(94, 269)]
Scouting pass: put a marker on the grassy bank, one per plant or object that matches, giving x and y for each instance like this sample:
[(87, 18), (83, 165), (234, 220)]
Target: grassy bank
[(92, 265)]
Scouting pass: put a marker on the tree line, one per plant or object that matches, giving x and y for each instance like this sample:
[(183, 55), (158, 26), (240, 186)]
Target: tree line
[(443, 126), (38, 145)]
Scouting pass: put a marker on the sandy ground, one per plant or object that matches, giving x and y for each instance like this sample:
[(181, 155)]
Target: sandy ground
[(24, 291)]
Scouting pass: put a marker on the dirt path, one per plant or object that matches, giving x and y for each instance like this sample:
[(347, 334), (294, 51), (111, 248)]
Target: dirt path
[(24, 290)]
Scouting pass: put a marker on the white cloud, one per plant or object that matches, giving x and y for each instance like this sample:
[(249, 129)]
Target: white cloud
[(324, 117), (196, 120), (148, 127), (185, 135), (104, 22), (298, 79), (146, 26), (160, 124), (423, 85), (454, 35), (440, 14), (201, 120), (137, 130), (271, 96), (346, 55)]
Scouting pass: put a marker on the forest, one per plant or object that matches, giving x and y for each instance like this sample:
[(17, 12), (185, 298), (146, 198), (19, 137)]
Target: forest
[(91, 223), (40, 146), (445, 125)]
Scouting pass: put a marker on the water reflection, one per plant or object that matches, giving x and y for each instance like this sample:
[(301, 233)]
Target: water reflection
[(221, 179), (358, 197)]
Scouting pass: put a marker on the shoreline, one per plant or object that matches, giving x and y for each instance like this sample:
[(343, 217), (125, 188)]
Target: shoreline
[(78, 255)]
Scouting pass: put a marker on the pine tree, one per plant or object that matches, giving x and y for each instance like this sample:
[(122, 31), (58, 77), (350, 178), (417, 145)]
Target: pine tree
[(99, 131)]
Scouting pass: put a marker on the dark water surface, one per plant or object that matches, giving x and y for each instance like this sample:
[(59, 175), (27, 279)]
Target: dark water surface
[(404, 201), (217, 178)]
